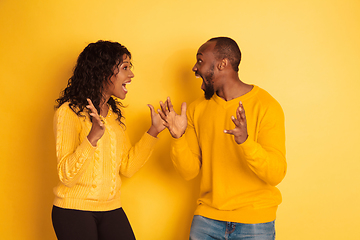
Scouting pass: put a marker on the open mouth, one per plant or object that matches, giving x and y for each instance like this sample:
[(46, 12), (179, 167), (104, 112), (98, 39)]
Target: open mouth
[(124, 86), (198, 75), (203, 82)]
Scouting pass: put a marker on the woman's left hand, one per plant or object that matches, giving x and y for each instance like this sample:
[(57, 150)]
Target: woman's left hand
[(157, 124), (98, 128)]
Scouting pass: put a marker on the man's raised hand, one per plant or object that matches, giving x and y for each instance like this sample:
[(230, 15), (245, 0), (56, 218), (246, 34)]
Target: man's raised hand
[(175, 123), (240, 131)]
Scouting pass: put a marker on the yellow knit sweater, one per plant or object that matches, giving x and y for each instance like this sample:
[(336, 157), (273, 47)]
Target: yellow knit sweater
[(90, 176), (238, 181)]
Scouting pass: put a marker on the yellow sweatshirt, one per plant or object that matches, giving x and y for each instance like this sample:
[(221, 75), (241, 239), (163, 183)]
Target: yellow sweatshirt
[(238, 181), (90, 176)]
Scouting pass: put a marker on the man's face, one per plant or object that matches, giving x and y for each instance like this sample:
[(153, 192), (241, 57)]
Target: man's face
[(204, 68)]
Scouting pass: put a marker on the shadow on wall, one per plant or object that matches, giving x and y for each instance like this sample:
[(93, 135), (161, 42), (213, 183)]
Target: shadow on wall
[(183, 86), (47, 175), (182, 83), (170, 200)]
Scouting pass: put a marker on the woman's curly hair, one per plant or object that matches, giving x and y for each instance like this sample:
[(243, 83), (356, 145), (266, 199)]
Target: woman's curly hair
[(93, 70)]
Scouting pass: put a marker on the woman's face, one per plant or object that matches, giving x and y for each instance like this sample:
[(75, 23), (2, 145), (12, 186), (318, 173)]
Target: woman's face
[(122, 76)]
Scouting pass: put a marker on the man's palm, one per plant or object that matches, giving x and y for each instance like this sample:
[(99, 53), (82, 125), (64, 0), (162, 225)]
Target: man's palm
[(175, 123)]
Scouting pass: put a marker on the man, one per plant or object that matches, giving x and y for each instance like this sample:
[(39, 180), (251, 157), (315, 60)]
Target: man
[(236, 137)]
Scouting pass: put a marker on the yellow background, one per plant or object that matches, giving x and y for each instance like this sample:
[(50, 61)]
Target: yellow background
[(305, 53)]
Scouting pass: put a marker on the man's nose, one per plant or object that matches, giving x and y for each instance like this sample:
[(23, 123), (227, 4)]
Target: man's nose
[(194, 69)]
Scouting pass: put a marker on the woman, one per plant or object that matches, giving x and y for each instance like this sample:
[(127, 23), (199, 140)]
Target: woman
[(93, 148)]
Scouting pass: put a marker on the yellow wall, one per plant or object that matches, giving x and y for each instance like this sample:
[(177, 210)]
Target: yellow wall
[(305, 53)]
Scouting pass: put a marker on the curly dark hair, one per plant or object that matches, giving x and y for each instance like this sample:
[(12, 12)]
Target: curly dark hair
[(93, 70)]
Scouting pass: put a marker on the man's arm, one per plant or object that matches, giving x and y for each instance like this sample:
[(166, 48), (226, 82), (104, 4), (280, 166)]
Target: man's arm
[(266, 157), (185, 153)]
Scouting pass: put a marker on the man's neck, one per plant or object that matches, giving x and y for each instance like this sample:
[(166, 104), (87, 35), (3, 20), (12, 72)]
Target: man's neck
[(233, 88)]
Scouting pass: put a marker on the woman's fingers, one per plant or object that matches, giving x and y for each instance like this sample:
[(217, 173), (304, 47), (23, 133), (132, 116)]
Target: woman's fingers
[(163, 107), (94, 113), (152, 110), (162, 115)]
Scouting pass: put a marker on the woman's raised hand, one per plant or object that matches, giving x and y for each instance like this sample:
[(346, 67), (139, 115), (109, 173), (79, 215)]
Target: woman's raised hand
[(98, 125), (157, 124)]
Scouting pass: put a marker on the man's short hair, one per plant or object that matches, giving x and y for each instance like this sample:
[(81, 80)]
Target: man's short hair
[(227, 48)]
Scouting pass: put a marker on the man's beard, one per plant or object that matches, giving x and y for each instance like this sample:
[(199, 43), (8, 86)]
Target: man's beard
[(209, 90), (209, 87)]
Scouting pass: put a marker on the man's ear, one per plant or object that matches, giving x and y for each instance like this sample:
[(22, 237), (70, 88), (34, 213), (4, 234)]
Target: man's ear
[(223, 64)]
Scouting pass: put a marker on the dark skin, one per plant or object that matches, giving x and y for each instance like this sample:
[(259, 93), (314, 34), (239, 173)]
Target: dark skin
[(98, 126), (227, 85), (124, 74)]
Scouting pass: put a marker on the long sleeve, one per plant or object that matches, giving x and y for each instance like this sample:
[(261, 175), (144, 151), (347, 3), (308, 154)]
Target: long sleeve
[(186, 162), (266, 157), (73, 155), (185, 152), (90, 177), (136, 156), (237, 181)]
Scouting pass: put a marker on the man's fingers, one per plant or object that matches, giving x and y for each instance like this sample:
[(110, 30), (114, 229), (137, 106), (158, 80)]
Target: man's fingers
[(235, 121), (169, 104), (229, 132), (242, 111), (240, 104), (238, 113), (183, 109), (242, 114)]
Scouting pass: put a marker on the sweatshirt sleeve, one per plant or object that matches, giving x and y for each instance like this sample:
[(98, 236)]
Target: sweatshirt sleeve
[(136, 156), (185, 152), (73, 155), (266, 157)]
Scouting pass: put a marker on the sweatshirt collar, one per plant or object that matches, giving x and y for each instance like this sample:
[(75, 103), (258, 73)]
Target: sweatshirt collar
[(231, 102)]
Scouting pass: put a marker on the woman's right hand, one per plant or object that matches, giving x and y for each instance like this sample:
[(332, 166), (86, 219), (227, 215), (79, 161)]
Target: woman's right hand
[(98, 125)]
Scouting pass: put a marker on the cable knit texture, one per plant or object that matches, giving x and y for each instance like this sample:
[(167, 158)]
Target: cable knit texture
[(90, 176), (238, 181)]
